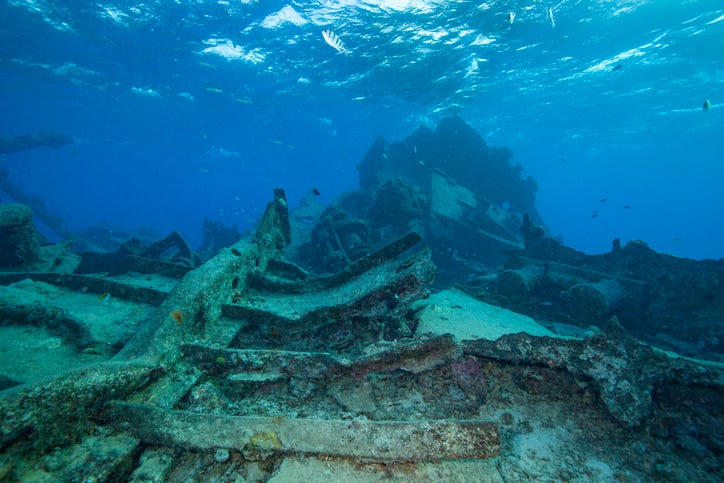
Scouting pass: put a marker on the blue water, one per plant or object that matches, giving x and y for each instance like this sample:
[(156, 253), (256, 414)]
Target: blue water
[(182, 110)]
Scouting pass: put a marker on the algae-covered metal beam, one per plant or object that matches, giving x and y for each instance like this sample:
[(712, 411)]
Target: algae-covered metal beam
[(384, 441), (126, 291)]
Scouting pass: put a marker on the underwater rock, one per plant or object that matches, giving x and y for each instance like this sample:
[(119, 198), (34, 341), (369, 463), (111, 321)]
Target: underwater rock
[(18, 239)]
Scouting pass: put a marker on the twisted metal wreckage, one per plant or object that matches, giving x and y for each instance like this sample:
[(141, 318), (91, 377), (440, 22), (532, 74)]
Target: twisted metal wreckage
[(171, 393)]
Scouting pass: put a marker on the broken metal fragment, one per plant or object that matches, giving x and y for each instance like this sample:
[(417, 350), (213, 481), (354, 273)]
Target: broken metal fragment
[(625, 370), (126, 291), (373, 295)]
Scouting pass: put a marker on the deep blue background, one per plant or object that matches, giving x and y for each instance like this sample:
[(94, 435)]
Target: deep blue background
[(167, 134)]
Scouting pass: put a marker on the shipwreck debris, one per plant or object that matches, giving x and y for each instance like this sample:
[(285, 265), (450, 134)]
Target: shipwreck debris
[(360, 440), (274, 366), (367, 300), (464, 197), (625, 370), (642, 288), (133, 256)]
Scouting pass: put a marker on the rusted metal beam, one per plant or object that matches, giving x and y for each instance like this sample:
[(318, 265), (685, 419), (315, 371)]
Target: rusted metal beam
[(384, 441)]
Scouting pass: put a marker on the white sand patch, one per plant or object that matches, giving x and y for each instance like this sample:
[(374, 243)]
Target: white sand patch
[(454, 312)]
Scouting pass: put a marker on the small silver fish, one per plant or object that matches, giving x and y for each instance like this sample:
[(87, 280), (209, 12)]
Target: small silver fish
[(549, 14), (334, 41)]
